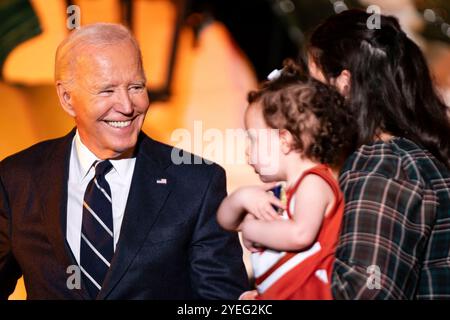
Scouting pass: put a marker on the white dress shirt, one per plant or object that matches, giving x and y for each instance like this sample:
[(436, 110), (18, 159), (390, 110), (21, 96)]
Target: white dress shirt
[(81, 172)]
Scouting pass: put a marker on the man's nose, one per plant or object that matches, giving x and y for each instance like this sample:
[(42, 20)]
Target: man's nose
[(124, 104)]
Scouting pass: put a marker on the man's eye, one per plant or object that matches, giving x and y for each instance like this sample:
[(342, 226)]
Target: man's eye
[(137, 88), (109, 91)]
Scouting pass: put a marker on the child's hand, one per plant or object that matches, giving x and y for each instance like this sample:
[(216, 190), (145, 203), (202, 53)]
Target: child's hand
[(257, 201), (254, 201)]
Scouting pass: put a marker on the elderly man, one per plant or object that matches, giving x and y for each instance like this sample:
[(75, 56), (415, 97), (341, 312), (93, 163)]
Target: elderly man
[(103, 213)]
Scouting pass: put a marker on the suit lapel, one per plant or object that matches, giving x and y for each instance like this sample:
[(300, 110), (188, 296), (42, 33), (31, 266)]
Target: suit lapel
[(53, 193), (146, 198)]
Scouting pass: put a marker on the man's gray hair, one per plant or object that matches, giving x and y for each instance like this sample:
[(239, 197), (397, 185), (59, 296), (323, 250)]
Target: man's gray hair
[(96, 34)]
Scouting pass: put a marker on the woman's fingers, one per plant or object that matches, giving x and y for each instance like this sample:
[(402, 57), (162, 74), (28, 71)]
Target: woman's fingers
[(249, 245), (249, 295)]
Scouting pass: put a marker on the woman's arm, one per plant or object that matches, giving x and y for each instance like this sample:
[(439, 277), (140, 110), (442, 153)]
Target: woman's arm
[(312, 200)]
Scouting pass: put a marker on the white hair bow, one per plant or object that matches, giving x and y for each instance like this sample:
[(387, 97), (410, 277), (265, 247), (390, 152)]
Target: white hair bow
[(275, 74)]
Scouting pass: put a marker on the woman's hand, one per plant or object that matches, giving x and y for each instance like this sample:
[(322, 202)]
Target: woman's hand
[(250, 245), (249, 295)]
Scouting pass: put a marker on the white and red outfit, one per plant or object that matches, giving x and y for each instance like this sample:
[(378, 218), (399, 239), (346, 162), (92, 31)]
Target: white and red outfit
[(306, 274)]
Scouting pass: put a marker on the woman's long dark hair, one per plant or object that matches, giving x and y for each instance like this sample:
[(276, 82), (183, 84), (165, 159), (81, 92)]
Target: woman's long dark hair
[(391, 87)]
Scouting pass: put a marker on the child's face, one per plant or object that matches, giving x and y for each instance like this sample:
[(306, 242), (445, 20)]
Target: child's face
[(263, 148)]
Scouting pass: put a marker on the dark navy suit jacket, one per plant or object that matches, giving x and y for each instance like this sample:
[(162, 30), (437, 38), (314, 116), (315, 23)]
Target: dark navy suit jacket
[(170, 245)]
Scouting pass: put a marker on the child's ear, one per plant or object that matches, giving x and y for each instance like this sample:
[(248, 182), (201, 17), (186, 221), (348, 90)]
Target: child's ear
[(286, 141)]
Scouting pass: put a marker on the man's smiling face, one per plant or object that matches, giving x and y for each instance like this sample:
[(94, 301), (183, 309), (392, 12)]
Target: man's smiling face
[(109, 98)]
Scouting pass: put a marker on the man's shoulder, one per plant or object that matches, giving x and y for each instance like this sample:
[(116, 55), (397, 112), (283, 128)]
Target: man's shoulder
[(32, 156)]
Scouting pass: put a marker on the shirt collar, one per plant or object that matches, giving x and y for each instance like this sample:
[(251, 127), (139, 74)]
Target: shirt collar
[(84, 156), (122, 166), (86, 160)]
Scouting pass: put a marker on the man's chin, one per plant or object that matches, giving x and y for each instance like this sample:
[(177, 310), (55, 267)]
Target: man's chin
[(125, 149)]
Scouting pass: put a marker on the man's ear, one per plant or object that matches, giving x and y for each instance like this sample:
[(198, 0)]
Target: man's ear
[(343, 82), (286, 141), (65, 98)]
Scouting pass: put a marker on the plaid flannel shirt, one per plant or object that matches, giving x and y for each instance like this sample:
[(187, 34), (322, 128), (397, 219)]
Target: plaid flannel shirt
[(395, 237)]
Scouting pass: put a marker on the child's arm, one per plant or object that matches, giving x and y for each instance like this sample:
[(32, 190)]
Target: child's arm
[(312, 200), (254, 200)]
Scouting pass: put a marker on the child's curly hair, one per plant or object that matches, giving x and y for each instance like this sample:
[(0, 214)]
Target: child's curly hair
[(315, 114)]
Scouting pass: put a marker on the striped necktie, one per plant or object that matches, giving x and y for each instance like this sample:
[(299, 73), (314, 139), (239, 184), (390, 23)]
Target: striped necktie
[(97, 237)]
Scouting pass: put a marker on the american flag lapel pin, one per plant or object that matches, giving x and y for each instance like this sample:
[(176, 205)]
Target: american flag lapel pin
[(161, 181)]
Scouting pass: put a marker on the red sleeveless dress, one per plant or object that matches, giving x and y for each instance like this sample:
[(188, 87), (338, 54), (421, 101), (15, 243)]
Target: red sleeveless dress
[(304, 275)]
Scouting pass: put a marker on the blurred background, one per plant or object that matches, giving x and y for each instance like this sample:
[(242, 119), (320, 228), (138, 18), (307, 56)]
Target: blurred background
[(201, 58)]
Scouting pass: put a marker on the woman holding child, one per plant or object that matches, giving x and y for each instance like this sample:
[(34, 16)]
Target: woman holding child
[(394, 239)]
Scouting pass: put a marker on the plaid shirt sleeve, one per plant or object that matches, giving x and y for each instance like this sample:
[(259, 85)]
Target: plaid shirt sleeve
[(386, 226)]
